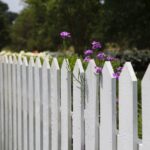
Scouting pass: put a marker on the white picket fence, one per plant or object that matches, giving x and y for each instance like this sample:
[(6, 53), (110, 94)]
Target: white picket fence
[(45, 107)]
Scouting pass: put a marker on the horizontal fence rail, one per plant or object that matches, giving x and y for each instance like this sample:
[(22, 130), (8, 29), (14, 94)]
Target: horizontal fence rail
[(47, 107)]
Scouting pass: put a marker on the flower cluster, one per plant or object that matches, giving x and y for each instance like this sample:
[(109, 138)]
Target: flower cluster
[(65, 35), (95, 53)]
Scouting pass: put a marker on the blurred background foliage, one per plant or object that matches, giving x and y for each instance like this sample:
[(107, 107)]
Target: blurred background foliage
[(123, 23)]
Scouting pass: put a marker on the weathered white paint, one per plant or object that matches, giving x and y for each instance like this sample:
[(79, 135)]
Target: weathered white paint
[(45, 104), (14, 101), (65, 106), (55, 105), (127, 138), (25, 103), (107, 109), (19, 104), (146, 110), (91, 107), (78, 106), (37, 97), (10, 102), (31, 103)]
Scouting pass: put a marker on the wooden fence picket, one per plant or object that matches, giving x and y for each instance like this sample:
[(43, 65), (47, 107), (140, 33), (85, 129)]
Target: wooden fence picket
[(36, 102), (2, 101), (127, 138), (55, 105), (78, 107), (146, 110), (14, 101), (31, 103), (37, 97), (19, 103), (6, 101), (25, 103), (10, 102), (45, 104), (107, 109), (91, 107), (65, 106)]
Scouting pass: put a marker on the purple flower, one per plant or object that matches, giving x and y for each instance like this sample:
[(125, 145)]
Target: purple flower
[(101, 56), (87, 59), (116, 75), (98, 69), (96, 45), (88, 52), (119, 69), (110, 58), (65, 35)]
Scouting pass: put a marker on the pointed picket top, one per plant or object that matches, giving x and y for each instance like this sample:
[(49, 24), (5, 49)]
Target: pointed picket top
[(128, 71), (46, 63), (78, 68), (54, 65), (25, 62), (91, 107), (65, 106), (10, 59), (127, 103), (38, 62), (1, 59), (5, 59), (65, 65), (19, 60), (91, 67), (107, 69), (146, 77), (146, 110), (31, 61), (107, 108), (14, 59)]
